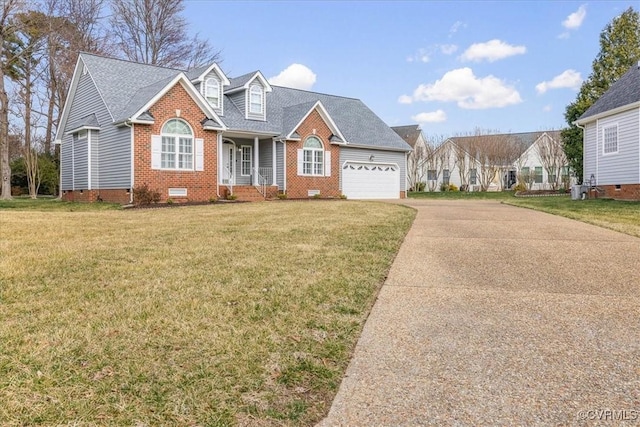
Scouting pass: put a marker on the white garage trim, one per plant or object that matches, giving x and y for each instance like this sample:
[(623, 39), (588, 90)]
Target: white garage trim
[(370, 180)]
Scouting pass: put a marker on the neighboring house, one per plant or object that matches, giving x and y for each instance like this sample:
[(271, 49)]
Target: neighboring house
[(499, 161), (199, 135), (417, 160), (611, 139)]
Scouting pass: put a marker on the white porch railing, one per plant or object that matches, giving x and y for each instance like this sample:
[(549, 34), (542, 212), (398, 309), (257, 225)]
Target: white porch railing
[(262, 176)]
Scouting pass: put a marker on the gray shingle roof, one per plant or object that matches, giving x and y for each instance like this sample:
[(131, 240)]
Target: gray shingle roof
[(118, 80), (128, 86), (523, 139), (625, 91), (87, 121), (410, 133)]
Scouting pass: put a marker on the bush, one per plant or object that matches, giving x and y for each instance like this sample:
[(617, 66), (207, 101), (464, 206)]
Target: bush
[(420, 186), (452, 187), (519, 187), (143, 196), (282, 196)]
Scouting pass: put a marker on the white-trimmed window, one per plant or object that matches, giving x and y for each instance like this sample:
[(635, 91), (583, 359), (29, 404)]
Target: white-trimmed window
[(245, 160), (610, 139), (313, 157), (473, 176), (256, 99), (177, 145), (212, 91), (446, 174)]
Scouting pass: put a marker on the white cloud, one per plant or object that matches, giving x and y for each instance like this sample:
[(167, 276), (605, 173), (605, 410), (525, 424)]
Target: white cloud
[(468, 91), (567, 79), (574, 20), (492, 50), (405, 99), (432, 117), (296, 76), (448, 49), (420, 56), (547, 108)]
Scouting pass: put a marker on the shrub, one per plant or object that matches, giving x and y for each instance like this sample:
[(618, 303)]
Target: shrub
[(144, 196), (420, 186), (444, 187), (452, 187), (169, 201), (282, 196), (213, 199), (316, 196), (343, 196), (231, 196), (520, 187)]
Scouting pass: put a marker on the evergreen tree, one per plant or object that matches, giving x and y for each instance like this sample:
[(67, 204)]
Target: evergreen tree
[(619, 50)]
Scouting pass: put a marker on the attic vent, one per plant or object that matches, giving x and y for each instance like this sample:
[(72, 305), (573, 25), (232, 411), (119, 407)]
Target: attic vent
[(85, 70)]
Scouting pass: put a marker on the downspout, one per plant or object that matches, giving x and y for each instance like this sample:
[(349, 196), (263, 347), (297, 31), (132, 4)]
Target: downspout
[(583, 129), (128, 124)]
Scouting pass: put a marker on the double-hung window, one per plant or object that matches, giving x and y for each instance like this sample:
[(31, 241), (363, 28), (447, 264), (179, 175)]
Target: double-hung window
[(445, 176), (212, 91), (256, 99), (313, 157), (177, 145), (538, 175), (473, 176)]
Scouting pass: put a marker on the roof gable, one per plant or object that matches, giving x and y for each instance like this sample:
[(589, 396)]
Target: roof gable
[(197, 75), (159, 89), (625, 92), (244, 82), (410, 133), (293, 112)]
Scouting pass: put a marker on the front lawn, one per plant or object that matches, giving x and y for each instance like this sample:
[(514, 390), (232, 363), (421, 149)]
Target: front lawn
[(235, 314), (617, 215)]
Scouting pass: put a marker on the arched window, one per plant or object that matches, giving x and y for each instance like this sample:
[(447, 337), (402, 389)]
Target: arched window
[(313, 157), (177, 145), (256, 98), (212, 91)]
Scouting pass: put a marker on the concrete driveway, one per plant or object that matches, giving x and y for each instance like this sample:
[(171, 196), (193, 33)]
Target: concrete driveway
[(496, 315)]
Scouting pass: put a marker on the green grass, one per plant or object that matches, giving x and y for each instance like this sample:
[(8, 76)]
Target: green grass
[(463, 195), (623, 216), (53, 204), (215, 315)]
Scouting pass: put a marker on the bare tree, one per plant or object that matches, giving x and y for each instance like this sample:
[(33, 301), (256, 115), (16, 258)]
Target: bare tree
[(8, 28), (553, 159), (436, 157), (416, 165), (154, 32)]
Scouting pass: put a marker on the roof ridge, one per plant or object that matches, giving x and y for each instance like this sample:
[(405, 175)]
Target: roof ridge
[(316, 93), (129, 61)]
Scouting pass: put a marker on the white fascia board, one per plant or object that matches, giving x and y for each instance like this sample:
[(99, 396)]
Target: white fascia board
[(258, 75), (214, 67), (79, 128), (243, 133), (191, 90), (581, 122), (327, 119), (142, 122), (75, 79)]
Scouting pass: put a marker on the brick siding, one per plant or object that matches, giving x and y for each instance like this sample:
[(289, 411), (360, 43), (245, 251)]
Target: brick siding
[(299, 186), (200, 185), (626, 192)]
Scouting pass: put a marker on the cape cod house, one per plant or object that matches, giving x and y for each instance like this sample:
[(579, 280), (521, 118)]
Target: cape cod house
[(611, 139), (199, 134)]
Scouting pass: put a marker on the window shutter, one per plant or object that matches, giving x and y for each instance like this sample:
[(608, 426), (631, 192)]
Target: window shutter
[(327, 163), (300, 161), (199, 154), (156, 151)]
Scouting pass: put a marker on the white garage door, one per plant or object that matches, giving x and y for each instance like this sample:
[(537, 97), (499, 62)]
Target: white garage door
[(362, 180)]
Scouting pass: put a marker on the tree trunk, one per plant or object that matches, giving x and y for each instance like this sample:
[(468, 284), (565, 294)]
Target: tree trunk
[(4, 141)]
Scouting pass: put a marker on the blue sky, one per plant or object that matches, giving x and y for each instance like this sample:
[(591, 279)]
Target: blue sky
[(508, 66)]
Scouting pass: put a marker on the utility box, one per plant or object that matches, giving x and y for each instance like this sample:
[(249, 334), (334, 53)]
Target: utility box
[(576, 192)]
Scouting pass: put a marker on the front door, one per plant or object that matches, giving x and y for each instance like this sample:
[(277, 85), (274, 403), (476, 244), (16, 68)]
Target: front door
[(227, 164)]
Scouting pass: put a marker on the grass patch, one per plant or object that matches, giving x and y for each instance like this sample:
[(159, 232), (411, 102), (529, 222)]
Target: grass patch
[(616, 215), (206, 315), (53, 204), (463, 195)]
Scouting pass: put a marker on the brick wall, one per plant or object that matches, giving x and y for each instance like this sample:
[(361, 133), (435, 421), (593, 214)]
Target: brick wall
[(298, 186), (112, 196), (200, 185), (625, 192)]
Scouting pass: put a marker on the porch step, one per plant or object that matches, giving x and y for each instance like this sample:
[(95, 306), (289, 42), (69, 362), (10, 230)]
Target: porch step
[(247, 193)]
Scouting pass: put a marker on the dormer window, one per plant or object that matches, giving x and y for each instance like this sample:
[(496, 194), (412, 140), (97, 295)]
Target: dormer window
[(212, 92), (256, 99)]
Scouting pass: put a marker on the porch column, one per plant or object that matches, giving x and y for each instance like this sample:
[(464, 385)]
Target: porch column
[(256, 158), (273, 162), (220, 167)]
